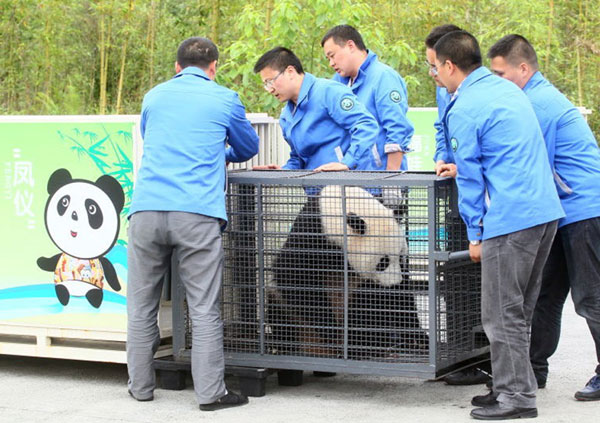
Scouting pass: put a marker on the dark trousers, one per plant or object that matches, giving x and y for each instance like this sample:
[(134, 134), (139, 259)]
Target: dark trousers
[(511, 272), (573, 264)]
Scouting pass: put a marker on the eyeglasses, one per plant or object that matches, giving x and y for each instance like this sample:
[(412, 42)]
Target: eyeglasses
[(268, 83), (432, 69)]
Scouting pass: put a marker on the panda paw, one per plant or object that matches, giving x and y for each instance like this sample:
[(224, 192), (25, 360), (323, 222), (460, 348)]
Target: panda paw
[(95, 296)]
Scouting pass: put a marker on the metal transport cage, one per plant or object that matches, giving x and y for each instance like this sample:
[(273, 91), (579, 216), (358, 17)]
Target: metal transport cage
[(356, 272)]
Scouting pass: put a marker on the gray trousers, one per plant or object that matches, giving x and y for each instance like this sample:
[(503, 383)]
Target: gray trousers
[(196, 241), (511, 271)]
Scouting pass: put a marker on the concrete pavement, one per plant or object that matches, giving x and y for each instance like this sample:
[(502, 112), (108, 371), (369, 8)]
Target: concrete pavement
[(45, 390)]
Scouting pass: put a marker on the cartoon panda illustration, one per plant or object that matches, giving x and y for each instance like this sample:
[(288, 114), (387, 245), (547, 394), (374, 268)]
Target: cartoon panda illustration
[(82, 220), (307, 299)]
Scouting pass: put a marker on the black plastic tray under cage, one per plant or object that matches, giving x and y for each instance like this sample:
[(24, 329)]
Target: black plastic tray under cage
[(357, 272)]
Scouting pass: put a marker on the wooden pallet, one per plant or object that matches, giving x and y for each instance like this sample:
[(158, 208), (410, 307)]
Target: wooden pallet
[(70, 343)]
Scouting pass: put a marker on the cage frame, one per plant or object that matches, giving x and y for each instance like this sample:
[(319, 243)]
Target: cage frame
[(434, 368)]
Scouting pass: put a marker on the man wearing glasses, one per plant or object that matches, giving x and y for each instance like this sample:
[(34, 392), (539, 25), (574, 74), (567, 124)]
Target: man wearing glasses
[(511, 209), (379, 87), (326, 126)]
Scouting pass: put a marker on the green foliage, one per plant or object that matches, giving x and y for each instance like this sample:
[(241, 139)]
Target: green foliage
[(52, 49)]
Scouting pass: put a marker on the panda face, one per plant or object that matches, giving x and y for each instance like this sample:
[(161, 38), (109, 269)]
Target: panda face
[(82, 220), (375, 242)]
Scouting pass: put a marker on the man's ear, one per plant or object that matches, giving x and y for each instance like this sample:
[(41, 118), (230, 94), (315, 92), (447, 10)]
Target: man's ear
[(178, 67), (211, 70), (524, 68)]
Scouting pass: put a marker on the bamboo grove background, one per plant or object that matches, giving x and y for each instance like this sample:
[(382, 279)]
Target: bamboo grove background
[(100, 57)]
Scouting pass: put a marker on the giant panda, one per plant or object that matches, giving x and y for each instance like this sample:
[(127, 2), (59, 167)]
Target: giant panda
[(82, 220), (306, 299)]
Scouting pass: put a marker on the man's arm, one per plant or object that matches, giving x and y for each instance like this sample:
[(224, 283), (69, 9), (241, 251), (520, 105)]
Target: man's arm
[(345, 109), (470, 181), (391, 103), (243, 140)]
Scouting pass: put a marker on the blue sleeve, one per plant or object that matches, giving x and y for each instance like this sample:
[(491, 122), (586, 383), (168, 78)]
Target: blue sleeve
[(549, 127), (355, 118), (470, 180), (441, 148), (391, 102), (295, 161), (242, 138)]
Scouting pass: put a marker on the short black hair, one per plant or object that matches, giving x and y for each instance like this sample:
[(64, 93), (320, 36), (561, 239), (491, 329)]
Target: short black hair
[(197, 51), (343, 33), (438, 32), (278, 59), (461, 48), (515, 49)]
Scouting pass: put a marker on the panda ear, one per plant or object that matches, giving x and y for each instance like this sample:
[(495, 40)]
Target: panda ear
[(357, 224), (113, 189), (59, 178)]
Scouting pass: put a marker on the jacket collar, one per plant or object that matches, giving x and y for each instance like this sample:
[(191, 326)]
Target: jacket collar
[(360, 76), (307, 83), (536, 79), (192, 70), (479, 73)]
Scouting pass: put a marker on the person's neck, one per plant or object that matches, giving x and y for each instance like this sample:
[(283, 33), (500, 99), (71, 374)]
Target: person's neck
[(298, 87), (360, 60)]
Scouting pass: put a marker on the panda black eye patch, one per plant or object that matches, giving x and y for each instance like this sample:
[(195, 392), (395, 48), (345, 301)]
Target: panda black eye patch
[(94, 213), (383, 264), (356, 223), (63, 204)]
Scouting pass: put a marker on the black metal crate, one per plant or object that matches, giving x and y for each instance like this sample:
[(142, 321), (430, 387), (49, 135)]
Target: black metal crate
[(360, 272)]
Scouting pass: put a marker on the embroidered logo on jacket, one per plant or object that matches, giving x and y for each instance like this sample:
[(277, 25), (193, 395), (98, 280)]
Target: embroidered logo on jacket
[(395, 96), (347, 103), (454, 144)]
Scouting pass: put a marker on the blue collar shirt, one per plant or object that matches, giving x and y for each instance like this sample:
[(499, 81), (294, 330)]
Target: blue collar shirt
[(572, 150), (186, 124), (504, 180), (383, 92), (327, 124)]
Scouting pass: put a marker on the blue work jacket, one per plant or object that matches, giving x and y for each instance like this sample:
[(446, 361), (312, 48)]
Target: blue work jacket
[(383, 91), (443, 151), (186, 123), (504, 180), (327, 124), (572, 149)]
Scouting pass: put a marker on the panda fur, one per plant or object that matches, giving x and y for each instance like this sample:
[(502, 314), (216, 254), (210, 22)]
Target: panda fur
[(306, 300), (82, 220)]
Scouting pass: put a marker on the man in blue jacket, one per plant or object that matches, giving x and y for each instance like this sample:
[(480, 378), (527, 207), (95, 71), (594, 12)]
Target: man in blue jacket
[(575, 159), (325, 125), (443, 157), (510, 207), (379, 87), (445, 166), (178, 207)]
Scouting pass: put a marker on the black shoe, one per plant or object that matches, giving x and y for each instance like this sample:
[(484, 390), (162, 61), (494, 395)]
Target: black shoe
[(230, 399), (150, 398), (495, 412), (470, 376), (485, 400), (591, 392)]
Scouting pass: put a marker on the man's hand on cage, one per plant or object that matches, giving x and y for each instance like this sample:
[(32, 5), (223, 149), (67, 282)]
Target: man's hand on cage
[(267, 167), (475, 252), (331, 167), (445, 169)]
